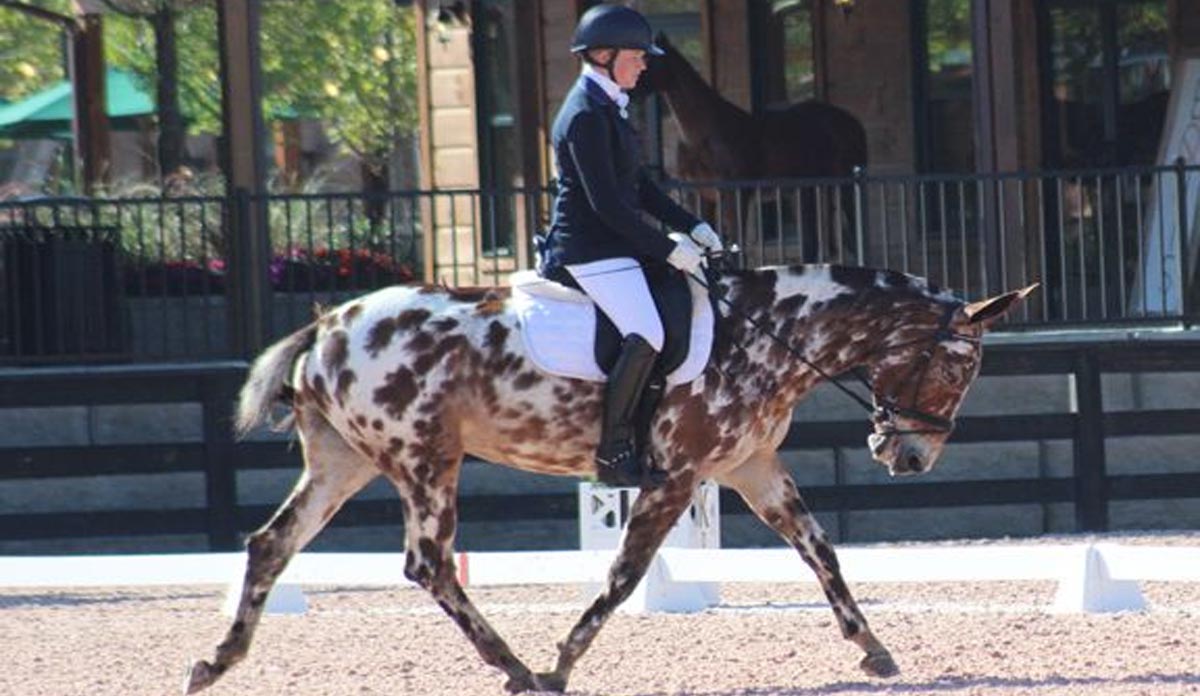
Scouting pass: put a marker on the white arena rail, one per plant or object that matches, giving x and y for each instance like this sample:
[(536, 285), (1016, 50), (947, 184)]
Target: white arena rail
[(684, 576), (1097, 577)]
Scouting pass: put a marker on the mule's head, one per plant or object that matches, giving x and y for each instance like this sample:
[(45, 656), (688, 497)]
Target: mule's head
[(919, 382)]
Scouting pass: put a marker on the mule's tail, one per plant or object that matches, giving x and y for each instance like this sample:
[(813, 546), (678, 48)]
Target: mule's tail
[(267, 382)]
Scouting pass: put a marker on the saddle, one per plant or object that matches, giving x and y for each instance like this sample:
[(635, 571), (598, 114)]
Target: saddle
[(566, 334)]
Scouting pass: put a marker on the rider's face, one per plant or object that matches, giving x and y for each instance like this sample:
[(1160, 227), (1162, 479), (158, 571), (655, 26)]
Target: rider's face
[(628, 67)]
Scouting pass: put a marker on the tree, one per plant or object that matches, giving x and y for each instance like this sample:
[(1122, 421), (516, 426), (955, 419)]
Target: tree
[(161, 16), (352, 64), (32, 53)]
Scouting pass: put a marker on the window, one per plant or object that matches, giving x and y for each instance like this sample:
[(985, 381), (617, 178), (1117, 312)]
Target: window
[(945, 137), (784, 63), (1107, 80), (498, 121)]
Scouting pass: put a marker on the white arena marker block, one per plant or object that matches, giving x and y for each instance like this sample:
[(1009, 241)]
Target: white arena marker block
[(1087, 587), (603, 514), (285, 598)]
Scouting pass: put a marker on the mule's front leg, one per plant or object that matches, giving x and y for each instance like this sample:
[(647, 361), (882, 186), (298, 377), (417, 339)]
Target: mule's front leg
[(770, 491), (653, 515)]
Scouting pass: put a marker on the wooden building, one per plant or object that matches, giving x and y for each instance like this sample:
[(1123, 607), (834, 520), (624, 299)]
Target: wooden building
[(941, 86)]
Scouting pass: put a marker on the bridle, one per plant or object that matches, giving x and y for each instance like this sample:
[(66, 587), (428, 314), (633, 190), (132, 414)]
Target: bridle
[(887, 407)]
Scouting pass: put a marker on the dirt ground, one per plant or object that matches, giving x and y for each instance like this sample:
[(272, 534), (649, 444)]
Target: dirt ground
[(949, 639)]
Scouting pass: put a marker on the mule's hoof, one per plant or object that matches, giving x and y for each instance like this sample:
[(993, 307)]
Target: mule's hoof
[(200, 677), (551, 681), (520, 684), (879, 665)]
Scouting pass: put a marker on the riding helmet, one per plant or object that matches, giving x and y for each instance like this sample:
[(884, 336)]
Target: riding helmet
[(613, 26)]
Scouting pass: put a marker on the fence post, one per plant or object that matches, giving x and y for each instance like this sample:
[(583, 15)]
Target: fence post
[(1090, 476), (1189, 277), (860, 175), (220, 474), (248, 292)]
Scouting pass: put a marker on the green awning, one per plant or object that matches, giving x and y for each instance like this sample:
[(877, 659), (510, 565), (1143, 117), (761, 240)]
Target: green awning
[(47, 114)]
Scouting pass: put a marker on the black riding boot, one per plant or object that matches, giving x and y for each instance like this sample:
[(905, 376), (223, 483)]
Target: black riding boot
[(617, 458)]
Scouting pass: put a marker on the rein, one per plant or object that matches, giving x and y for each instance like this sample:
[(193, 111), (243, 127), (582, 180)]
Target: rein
[(888, 408)]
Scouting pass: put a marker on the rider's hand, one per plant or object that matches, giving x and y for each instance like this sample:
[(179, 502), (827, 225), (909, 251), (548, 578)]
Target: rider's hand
[(707, 237), (686, 256)]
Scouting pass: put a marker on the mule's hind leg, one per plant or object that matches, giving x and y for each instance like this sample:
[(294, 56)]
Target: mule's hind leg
[(653, 514), (770, 491), (428, 489), (332, 473)]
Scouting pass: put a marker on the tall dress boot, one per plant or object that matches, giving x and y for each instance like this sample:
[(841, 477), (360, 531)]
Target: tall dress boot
[(617, 459)]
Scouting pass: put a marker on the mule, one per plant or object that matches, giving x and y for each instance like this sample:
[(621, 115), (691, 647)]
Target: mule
[(405, 381), (720, 141)]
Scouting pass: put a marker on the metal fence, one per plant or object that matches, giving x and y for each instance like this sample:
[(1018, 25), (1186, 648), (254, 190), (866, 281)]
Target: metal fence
[(150, 279), (1107, 245)]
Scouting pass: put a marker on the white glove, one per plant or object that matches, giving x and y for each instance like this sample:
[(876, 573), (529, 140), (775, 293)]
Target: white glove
[(706, 236), (686, 256)]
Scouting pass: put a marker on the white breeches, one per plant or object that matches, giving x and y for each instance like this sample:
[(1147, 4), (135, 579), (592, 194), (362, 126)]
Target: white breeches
[(619, 288)]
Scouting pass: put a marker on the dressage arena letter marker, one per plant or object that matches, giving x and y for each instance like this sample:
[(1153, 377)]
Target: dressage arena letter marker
[(603, 514)]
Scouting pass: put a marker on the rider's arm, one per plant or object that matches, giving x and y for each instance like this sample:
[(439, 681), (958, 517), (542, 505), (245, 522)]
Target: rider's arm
[(591, 150)]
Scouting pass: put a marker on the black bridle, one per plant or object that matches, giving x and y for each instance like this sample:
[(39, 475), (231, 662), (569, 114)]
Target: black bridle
[(886, 408)]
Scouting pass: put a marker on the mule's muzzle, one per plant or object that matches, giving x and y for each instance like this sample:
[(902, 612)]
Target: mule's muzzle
[(901, 456), (908, 460)]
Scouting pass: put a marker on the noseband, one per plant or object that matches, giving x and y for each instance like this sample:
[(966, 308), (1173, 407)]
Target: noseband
[(888, 406)]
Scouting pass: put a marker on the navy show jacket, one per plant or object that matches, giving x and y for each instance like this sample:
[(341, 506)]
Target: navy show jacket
[(602, 186)]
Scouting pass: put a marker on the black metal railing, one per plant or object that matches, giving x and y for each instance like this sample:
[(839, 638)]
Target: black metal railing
[(149, 278), (1107, 245)]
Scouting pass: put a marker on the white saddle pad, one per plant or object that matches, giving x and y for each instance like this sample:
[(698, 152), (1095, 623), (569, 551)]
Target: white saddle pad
[(558, 326)]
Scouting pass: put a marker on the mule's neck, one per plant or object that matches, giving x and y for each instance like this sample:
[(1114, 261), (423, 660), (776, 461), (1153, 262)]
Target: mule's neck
[(836, 318)]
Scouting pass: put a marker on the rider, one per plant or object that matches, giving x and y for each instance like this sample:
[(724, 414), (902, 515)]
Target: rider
[(598, 240)]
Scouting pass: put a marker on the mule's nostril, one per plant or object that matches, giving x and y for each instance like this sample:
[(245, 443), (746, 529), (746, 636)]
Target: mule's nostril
[(914, 462)]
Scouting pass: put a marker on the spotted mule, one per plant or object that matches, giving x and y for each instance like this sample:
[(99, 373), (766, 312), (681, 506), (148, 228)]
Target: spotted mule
[(406, 381)]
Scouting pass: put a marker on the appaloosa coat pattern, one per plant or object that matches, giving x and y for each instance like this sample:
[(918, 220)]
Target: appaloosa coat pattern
[(404, 382)]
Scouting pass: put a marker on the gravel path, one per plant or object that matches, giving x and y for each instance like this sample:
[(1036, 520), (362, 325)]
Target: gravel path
[(948, 639)]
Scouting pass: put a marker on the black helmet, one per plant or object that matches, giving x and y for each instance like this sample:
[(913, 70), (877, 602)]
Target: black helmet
[(613, 26)]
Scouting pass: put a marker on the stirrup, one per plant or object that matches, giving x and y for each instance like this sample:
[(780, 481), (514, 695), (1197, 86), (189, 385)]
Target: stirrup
[(625, 469)]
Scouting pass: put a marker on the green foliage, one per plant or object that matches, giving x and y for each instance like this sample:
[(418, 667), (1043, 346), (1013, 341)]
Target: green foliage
[(31, 50), (129, 44), (352, 64), (949, 32)]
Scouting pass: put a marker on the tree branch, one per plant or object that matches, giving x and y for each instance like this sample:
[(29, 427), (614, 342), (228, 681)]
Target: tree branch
[(63, 21)]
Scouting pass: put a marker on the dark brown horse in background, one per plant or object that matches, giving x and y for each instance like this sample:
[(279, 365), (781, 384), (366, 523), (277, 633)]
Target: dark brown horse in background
[(723, 142)]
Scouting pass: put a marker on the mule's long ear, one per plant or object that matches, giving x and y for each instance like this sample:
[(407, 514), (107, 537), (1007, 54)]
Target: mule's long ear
[(989, 310)]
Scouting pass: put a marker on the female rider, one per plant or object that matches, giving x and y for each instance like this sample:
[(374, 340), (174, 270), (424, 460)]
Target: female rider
[(598, 241)]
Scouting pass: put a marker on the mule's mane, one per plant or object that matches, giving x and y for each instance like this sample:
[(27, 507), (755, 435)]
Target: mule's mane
[(841, 311), (855, 279)]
